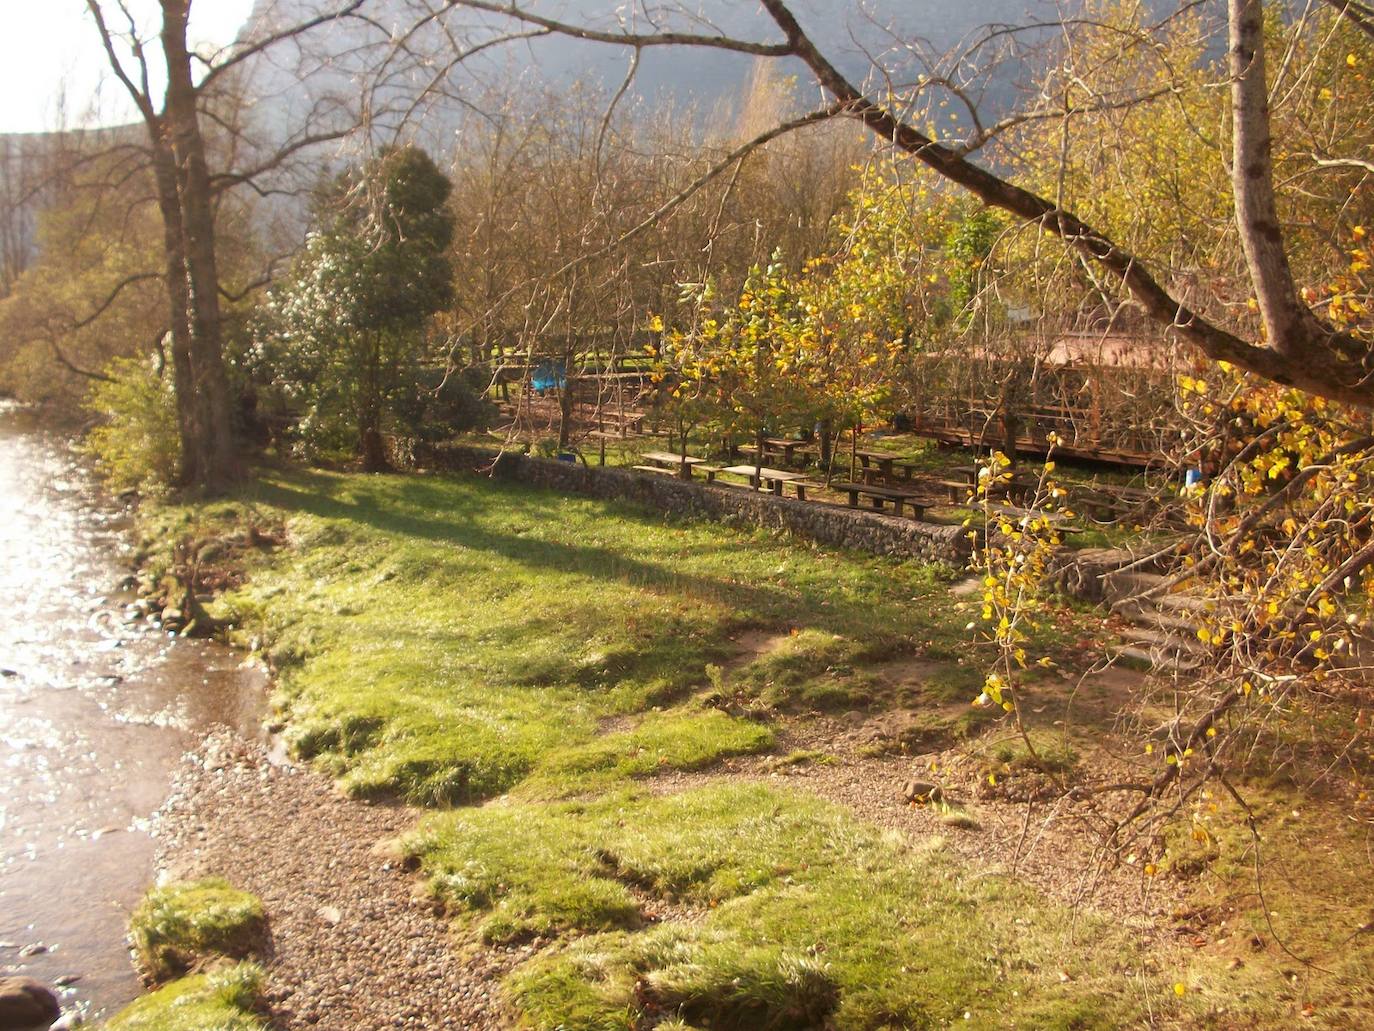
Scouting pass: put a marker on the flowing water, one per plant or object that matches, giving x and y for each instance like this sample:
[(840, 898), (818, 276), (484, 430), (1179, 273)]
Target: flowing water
[(96, 707)]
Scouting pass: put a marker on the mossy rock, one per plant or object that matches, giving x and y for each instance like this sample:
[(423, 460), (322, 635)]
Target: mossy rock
[(181, 926)]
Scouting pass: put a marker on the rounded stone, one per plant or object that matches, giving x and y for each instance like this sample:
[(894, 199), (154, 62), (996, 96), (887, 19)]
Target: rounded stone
[(26, 1004)]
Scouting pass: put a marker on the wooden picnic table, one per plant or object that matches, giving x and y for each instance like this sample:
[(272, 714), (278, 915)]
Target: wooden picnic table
[(775, 478), (898, 497), (683, 466), (882, 459), (785, 446)]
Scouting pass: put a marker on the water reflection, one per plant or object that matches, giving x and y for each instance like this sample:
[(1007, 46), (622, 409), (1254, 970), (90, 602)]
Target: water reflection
[(95, 708)]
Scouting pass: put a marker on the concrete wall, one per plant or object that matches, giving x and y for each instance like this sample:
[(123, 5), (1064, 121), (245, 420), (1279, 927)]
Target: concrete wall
[(829, 524)]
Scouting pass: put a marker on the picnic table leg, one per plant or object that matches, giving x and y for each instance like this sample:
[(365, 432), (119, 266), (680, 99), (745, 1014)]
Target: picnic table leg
[(853, 499), (801, 492), (777, 488)]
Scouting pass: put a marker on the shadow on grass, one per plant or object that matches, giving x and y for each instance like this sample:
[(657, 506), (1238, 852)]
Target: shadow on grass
[(455, 516)]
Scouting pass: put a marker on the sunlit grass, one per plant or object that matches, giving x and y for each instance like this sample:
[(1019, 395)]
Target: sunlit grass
[(807, 918), (446, 638), (179, 925), (224, 1000)]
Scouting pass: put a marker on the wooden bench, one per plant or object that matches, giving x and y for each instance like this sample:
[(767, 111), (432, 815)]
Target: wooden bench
[(787, 449), (677, 464), (878, 495), (774, 478), (653, 469)]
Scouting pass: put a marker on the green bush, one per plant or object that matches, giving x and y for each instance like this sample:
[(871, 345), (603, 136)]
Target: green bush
[(179, 926), (136, 442)]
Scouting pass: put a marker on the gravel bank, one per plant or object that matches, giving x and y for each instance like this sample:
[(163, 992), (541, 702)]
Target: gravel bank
[(353, 947)]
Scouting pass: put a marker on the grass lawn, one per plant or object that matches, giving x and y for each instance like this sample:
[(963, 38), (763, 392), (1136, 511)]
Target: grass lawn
[(540, 659), (445, 639), (785, 912)]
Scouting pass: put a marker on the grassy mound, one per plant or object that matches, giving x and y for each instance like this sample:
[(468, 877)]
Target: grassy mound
[(224, 1000), (790, 914), (179, 926)]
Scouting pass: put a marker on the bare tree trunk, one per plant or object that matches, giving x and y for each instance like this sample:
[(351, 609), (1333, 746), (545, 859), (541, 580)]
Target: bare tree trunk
[(371, 447), (215, 463), (179, 306), (1289, 324), (565, 411)]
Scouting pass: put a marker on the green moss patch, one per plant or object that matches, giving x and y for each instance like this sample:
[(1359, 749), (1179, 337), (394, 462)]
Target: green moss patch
[(224, 1000), (180, 926), (811, 669), (794, 915)]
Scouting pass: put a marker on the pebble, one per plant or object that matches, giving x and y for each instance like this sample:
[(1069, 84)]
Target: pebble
[(273, 826)]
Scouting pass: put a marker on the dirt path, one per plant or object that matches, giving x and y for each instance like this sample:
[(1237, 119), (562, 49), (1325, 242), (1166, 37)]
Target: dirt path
[(353, 947)]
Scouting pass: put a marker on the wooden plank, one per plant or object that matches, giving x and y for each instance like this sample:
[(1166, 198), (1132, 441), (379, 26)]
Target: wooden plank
[(765, 472), (668, 458)]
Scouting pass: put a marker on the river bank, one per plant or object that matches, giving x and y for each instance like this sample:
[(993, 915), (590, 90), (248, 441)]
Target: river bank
[(352, 944), (658, 768), (653, 774)]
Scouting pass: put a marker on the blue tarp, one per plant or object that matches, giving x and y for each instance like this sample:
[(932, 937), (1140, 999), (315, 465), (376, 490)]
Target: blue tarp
[(548, 375)]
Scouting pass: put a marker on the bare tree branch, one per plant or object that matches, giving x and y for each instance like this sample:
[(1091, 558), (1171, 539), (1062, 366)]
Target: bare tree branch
[(630, 39), (1314, 357)]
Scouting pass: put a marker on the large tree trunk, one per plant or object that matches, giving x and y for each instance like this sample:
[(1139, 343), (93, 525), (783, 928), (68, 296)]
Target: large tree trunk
[(213, 460), (179, 304), (371, 446), (1289, 324)]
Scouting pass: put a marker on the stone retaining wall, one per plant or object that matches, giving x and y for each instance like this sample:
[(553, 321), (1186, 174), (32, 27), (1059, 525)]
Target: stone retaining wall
[(829, 524)]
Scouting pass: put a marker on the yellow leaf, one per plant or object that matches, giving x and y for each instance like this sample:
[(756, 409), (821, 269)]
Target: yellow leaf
[(1180, 988)]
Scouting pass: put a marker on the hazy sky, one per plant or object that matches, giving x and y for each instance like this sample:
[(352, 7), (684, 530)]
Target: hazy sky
[(49, 45)]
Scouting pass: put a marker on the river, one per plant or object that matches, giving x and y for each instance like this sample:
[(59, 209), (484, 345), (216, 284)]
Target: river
[(96, 708)]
